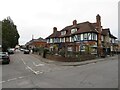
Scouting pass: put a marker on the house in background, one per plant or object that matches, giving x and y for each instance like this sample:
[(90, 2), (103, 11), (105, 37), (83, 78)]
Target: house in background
[(108, 41), (81, 37), (35, 43)]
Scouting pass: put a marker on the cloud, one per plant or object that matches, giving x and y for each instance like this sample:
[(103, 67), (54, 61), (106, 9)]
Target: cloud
[(38, 17)]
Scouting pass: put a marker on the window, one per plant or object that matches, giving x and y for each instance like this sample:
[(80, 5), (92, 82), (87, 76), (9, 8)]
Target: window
[(67, 39), (113, 40), (85, 36), (62, 39), (72, 39), (63, 32), (51, 40), (81, 36), (102, 38), (48, 40), (94, 36), (69, 48), (75, 38), (56, 40), (82, 48), (89, 36), (73, 30)]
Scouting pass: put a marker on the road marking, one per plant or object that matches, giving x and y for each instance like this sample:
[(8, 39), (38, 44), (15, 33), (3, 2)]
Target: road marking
[(23, 61), (21, 77), (2, 81), (38, 64), (35, 72), (12, 79), (27, 67)]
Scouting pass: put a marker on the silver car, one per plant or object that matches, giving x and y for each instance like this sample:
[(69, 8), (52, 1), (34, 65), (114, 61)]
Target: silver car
[(4, 58)]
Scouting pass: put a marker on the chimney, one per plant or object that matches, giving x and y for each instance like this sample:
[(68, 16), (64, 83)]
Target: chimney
[(98, 21), (98, 27), (54, 30), (75, 22)]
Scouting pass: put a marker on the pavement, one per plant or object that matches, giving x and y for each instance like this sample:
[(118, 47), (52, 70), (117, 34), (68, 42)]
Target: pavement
[(75, 63)]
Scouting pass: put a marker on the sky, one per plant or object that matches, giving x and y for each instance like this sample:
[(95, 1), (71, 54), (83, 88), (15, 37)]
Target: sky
[(38, 17)]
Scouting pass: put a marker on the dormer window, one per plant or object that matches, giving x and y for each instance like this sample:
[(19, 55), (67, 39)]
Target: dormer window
[(73, 30), (63, 32)]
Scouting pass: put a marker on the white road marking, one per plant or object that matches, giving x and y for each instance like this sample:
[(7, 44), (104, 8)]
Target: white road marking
[(28, 67), (35, 72), (12, 79), (2, 81), (21, 77), (38, 64), (23, 61)]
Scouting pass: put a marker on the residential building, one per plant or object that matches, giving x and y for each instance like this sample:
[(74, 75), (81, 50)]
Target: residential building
[(34, 43), (81, 37)]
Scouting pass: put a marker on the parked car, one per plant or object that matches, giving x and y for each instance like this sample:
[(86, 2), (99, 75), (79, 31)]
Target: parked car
[(11, 50), (26, 51), (4, 58), (22, 49)]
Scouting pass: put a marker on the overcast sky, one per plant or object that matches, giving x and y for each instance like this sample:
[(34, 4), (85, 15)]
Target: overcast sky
[(38, 17)]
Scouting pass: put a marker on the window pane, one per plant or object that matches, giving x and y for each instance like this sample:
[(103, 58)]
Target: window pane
[(81, 36), (85, 36), (89, 36)]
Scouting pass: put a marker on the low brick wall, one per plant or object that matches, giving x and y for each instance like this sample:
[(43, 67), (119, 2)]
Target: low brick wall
[(70, 59)]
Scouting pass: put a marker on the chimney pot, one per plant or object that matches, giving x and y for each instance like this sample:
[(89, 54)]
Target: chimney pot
[(54, 30), (75, 22)]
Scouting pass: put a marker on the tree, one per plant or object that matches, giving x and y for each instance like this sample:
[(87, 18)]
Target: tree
[(10, 34)]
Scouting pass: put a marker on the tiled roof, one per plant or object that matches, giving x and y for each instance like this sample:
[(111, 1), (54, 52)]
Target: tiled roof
[(81, 28), (113, 36), (53, 35), (86, 27), (36, 40), (106, 32)]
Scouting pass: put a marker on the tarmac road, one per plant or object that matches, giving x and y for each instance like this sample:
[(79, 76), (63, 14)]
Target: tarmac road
[(27, 71)]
